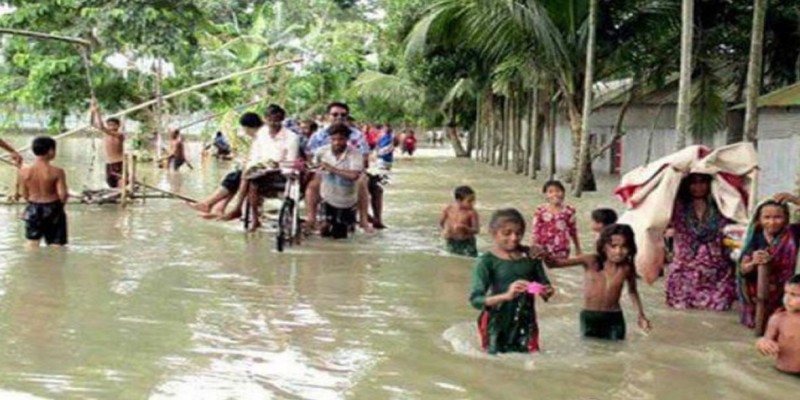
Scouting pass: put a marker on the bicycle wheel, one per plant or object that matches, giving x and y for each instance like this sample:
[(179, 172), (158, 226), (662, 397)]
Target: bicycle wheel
[(285, 225)]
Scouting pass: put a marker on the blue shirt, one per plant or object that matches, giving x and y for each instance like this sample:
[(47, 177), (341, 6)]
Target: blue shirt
[(386, 148), (322, 138)]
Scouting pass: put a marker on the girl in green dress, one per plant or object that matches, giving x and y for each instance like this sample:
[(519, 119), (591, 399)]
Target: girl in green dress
[(504, 282)]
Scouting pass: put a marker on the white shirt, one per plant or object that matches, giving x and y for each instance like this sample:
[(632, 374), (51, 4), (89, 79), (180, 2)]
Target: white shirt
[(336, 190), (281, 148)]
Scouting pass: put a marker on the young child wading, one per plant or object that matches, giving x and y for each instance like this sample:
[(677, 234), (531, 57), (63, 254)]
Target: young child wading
[(782, 338), (45, 188), (554, 223), (459, 223), (504, 282), (605, 275)]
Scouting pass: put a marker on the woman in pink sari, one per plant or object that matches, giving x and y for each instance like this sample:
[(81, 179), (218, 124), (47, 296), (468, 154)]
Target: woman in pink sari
[(701, 275)]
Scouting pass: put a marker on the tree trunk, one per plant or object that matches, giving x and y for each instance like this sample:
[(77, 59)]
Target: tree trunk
[(754, 71), (520, 163), (452, 134), (506, 131), (530, 106), (494, 122), (159, 106), (584, 155), (551, 129), (684, 117), (618, 133), (478, 127)]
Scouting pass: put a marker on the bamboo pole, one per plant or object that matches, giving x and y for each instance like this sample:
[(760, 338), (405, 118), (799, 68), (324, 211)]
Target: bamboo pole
[(125, 178), (173, 194), (761, 298), (215, 115), (172, 95), (159, 108), (40, 35)]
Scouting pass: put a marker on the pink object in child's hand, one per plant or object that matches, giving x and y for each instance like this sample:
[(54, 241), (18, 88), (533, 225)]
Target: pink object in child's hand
[(536, 288)]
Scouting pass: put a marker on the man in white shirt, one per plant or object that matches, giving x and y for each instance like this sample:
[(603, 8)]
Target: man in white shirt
[(274, 151), (340, 169)]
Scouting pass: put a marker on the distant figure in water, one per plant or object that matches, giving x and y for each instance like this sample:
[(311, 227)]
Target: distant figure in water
[(44, 186), (606, 273), (409, 143), (505, 280), (177, 152), (222, 145), (459, 223), (782, 338)]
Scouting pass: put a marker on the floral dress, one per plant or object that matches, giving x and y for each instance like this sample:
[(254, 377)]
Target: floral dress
[(552, 231), (701, 275)]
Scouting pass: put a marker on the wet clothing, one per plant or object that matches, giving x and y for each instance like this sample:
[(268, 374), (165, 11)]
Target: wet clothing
[(553, 231), (113, 174), (46, 221), (410, 145), (509, 326), (603, 324), (385, 151), (466, 247), (783, 256), (334, 189), (232, 181), (701, 275), (175, 163), (339, 221)]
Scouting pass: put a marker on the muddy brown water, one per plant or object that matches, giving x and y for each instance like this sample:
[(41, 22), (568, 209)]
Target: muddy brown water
[(151, 302)]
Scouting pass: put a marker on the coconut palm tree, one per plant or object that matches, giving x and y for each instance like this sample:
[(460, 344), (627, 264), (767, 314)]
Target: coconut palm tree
[(754, 70), (683, 117)]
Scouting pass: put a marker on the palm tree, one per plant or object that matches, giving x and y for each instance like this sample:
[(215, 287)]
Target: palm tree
[(754, 71), (683, 118), (584, 161)]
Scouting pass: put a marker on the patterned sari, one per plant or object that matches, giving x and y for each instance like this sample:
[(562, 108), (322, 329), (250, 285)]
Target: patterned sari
[(783, 256), (701, 275)]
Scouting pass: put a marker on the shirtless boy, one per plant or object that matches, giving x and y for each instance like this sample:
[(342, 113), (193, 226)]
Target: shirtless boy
[(177, 153), (459, 223), (782, 338), (606, 273), (45, 189), (114, 141)]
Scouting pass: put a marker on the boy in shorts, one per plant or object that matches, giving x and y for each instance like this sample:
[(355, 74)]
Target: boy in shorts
[(44, 187)]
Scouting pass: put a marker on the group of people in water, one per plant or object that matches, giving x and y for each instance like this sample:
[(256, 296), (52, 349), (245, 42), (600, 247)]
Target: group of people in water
[(701, 273), (331, 164)]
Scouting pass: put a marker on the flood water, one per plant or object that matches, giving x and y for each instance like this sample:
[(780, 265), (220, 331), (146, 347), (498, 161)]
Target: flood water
[(151, 302)]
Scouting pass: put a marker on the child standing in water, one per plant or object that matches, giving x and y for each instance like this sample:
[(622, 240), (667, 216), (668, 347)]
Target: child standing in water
[(554, 223), (772, 241), (782, 338), (601, 218), (504, 281), (45, 188), (605, 275), (459, 223)]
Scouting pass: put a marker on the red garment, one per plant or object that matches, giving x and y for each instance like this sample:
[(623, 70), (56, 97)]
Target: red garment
[(372, 137), (410, 143), (554, 231)]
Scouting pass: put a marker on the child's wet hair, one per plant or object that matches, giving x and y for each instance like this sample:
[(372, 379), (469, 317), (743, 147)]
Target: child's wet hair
[(795, 280), (772, 203), (504, 216), (114, 120), (605, 216), (553, 183), (605, 238), (462, 192), (42, 145)]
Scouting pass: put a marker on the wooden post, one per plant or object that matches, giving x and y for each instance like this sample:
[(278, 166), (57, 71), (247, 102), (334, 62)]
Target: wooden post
[(761, 298), (132, 174), (123, 201)]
